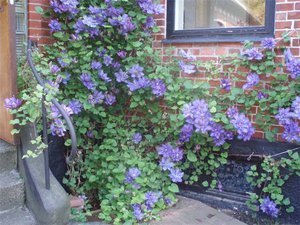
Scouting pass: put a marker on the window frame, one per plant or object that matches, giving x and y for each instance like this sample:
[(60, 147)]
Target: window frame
[(255, 33)]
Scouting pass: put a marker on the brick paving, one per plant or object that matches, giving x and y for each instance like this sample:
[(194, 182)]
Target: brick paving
[(191, 212), (188, 212)]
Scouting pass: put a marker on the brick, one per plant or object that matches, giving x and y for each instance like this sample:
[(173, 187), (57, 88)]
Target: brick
[(280, 128), (44, 2), (295, 42), (221, 51), (166, 50), (37, 24), (207, 51), (285, 7), (293, 15), (214, 83), (234, 51), (34, 16), (297, 24), (156, 44), (279, 138), (160, 22), (195, 51), (183, 45), (240, 84), (279, 33), (258, 134), (281, 16), (42, 40), (295, 51), (265, 77), (283, 25), (39, 32), (159, 37), (31, 7)]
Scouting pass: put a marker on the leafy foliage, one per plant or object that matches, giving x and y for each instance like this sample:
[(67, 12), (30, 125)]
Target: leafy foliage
[(102, 68)]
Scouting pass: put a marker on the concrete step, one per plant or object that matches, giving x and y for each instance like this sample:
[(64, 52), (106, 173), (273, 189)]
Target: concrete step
[(8, 156), (11, 190), (19, 216)]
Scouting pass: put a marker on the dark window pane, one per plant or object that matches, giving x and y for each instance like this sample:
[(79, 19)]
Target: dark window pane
[(197, 14)]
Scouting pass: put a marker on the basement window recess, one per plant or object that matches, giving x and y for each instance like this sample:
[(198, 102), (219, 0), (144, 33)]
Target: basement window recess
[(219, 20)]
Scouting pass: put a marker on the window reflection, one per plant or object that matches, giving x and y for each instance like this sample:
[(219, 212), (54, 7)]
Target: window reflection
[(197, 14)]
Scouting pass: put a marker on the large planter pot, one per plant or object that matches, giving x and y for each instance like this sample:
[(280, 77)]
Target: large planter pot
[(57, 159), (291, 189)]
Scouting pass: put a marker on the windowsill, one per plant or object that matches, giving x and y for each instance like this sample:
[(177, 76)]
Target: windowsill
[(216, 39)]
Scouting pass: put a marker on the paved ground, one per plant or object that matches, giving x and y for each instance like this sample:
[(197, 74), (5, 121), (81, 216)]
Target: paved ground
[(189, 212)]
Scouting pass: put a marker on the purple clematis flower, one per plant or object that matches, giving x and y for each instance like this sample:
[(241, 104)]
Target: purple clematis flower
[(187, 68), (252, 80), (158, 87), (150, 199), (76, 106), (110, 99), (12, 103), (166, 164), (269, 207), (176, 175), (252, 54), (268, 43), (57, 128), (54, 26), (225, 84), (137, 212), (122, 54), (87, 81), (136, 71), (186, 133), (96, 97), (121, 76), (137, 138), (132, 174)]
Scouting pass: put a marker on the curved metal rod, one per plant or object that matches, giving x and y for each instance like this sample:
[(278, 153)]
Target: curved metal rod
[(73, 153)]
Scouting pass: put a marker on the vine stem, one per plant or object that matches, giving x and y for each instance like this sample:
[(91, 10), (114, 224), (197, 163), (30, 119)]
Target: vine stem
[(287, 151), (287, 34), (249, 157)]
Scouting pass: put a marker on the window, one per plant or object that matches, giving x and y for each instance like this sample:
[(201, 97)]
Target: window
[(219, 20), (21, 26)]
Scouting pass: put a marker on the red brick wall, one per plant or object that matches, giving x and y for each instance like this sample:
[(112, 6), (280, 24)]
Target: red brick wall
[(287, 18), (38, 29)]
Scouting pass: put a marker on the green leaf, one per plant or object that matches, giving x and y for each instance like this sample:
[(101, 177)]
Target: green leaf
[(286, 201), (290, 209), (270, 136), (92, 178), (133, 104), (174, 188), (295, 156), (205, 184), (39, 10), (15, 131), (188, 84), (137, 44), (191, 156)]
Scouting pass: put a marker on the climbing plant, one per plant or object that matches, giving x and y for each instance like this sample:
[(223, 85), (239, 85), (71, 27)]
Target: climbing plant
[(141, 127)]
